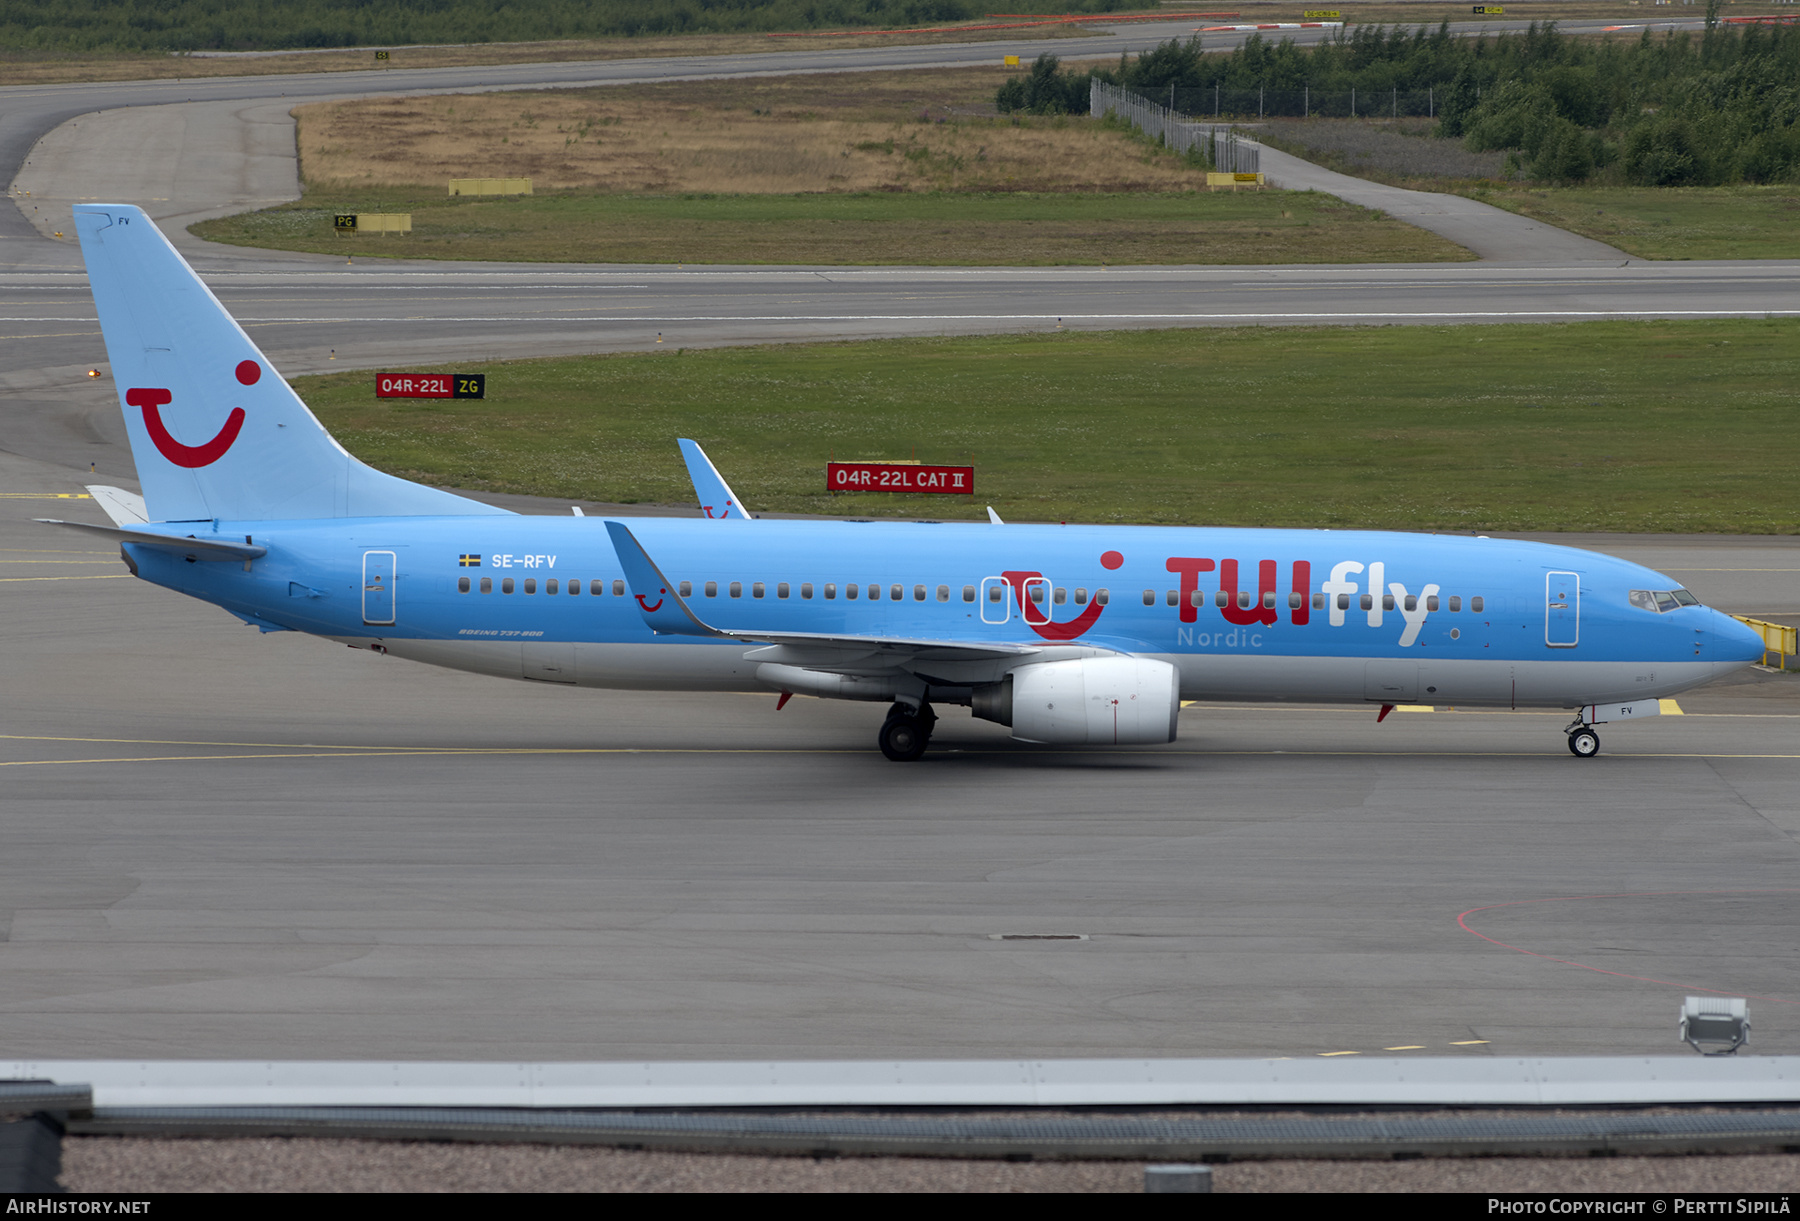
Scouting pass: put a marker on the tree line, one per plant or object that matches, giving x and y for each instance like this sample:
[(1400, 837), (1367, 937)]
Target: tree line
[(1682, 109), (272, 25)]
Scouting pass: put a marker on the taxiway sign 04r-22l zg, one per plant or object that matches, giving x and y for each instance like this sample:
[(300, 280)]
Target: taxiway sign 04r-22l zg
[(1069, 634)]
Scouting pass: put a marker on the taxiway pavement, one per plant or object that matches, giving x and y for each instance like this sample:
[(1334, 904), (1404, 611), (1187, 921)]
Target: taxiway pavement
[(228, 845)]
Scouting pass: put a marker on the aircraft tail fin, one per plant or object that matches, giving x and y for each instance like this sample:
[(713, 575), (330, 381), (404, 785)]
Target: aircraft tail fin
[(215, 430), (716, 499)]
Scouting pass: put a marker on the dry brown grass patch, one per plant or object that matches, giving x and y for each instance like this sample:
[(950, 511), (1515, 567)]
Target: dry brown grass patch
[(902, 131)]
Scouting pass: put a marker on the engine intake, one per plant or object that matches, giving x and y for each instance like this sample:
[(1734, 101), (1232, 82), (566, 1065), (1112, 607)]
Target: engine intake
[(1114, 700)]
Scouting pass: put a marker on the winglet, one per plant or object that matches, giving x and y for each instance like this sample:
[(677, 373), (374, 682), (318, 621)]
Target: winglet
[(662, 608), (716, 499)]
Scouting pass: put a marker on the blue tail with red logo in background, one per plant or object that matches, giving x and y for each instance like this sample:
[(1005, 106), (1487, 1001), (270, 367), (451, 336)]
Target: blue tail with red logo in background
[(216, 432)]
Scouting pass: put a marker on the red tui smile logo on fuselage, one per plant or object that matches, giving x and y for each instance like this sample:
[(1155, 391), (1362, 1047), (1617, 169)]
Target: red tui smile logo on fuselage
[(1029, 610), (150, 400)]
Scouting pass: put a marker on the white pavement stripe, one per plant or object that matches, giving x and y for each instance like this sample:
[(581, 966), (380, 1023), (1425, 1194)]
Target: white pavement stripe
[(1441, 1080)]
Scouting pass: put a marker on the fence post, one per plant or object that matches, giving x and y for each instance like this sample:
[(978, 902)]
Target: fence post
[(1259, 100), (1396, 101), (1431, 102), (1353, 101), (1215, 99), (1306, 101)]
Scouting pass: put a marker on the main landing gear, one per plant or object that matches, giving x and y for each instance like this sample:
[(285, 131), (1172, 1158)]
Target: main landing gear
[(906, 731), (1584, 743)]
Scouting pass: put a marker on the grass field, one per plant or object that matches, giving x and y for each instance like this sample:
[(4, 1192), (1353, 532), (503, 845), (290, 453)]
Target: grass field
[(871, 168), (1677, 426), (1746, 222), (962, 229), (1741, 222)]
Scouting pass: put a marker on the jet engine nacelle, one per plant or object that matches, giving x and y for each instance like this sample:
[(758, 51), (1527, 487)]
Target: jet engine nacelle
[(1113, 700)]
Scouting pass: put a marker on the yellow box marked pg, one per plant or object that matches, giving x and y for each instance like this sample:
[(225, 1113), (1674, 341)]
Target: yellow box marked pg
[(1012, 61), (490, 186), (1234, 181), (372, 222)]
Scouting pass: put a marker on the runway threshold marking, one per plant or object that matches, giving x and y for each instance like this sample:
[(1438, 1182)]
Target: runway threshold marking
[(1462, 921)]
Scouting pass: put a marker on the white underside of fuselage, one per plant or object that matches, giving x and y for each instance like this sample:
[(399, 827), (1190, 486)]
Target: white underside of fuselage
[(1564, 682)]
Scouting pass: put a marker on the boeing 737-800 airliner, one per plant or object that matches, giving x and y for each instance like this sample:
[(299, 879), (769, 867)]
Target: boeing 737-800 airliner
[(1069, 634)]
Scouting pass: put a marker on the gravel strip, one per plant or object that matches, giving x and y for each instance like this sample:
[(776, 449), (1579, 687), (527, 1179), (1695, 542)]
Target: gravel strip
[(134, 1164)]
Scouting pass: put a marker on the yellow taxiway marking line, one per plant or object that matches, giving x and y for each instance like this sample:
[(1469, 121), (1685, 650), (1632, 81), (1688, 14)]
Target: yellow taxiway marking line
[(101, 576), (1406, 1047), (51, 551), (1467, 1042), (1340, 1053), (46, 496), (103, 557)]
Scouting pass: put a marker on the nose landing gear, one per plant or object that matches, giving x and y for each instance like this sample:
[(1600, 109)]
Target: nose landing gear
[(1584, 743), (906, 731)]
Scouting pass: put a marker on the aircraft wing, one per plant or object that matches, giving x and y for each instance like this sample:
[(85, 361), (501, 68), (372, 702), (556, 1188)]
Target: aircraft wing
[(190, 547), (667, 614), (716, 499)]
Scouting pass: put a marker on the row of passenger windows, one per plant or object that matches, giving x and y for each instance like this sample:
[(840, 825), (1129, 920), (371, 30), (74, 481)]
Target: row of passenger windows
[(551, 586), (1245, 600), (996, 592)]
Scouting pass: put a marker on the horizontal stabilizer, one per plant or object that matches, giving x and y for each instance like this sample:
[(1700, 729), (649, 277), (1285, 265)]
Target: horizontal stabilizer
[(189, 547), (125, 508)]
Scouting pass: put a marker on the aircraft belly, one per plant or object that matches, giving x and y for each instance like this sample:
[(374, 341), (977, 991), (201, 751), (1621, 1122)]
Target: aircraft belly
[(1560, 683), (624, 667)]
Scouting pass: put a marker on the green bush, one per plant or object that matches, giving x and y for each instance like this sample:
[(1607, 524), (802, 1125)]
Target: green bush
[(1712, 109)]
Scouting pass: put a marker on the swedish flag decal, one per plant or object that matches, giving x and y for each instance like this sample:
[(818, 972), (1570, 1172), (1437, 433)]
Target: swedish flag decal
[(469, 561)]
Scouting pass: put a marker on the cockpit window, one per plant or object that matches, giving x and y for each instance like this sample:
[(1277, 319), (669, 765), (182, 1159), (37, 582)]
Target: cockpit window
[(1662, 601)]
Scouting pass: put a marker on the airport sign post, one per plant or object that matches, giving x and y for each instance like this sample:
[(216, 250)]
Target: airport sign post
[(899, 477), (431, 385)]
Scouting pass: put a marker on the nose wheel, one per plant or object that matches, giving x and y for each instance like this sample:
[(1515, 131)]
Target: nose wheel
[(906, 732), (1584, 743)]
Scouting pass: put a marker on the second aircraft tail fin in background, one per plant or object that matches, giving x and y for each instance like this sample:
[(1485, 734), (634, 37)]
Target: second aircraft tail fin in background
[(716, 499)]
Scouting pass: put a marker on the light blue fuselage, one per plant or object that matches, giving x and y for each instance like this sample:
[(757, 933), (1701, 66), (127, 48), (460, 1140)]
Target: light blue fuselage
[(1556, 626)]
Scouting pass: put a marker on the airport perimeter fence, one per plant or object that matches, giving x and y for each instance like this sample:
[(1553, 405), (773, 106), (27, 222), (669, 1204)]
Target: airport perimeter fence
[(1303, 103), (1222, 150)]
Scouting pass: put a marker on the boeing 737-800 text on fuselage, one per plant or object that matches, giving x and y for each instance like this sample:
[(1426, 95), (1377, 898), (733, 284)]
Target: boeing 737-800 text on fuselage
[(1069, 634)]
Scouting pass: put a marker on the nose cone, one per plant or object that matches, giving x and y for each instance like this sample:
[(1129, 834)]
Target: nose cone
[(1734, 645)]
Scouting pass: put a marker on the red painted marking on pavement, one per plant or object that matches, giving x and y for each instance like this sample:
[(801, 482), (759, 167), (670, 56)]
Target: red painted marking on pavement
[(1462, 922)]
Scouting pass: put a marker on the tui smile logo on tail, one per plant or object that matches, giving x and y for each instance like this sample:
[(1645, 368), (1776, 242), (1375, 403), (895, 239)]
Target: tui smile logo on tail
[(151, 400)]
